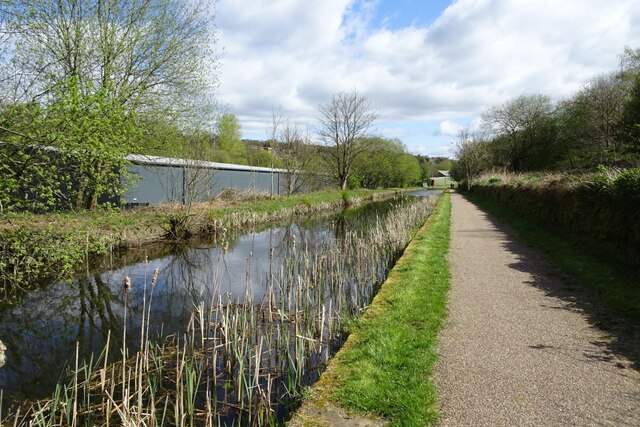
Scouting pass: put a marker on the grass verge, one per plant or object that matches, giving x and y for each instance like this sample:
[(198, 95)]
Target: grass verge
[(386, 367), (612, 282)]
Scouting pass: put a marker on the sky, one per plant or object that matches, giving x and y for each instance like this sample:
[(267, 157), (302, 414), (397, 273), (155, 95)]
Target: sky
[(428, 67)]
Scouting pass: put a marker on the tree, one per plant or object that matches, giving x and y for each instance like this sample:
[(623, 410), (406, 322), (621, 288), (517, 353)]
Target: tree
[(261, 157), (630, 122), (473, 156), (598, 109), (228, 139), (376, 166), (293, 149), (90, 137), (142, 53), (408, 171), (93, 134), (385, 163), (522, 125), (344, 122), (91, 67)]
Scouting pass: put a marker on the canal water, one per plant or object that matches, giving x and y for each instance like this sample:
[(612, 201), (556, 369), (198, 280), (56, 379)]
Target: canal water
[(41, 331)]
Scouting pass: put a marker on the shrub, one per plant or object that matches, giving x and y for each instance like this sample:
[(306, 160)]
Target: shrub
[(627, 184)]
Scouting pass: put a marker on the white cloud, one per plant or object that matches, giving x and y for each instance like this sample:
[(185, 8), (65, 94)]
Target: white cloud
[(478, 53), (449, 128)]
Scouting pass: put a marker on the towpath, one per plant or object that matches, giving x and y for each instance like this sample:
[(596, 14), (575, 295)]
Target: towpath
[(518, 348)]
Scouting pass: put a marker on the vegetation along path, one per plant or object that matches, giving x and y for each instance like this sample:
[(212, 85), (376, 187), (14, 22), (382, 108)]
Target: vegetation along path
[(514, 351)]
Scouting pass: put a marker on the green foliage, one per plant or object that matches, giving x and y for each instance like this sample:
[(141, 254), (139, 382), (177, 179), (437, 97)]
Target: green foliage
[(408, 171), (27, 255), (90, 135), (600, 124), (599, 207), (28, 179), (93, 134), (627, 185), (229, 139), (353, 182), (384, 163), (262, 158), (630, 122), (159, 137), (150, 55), (622, 185)]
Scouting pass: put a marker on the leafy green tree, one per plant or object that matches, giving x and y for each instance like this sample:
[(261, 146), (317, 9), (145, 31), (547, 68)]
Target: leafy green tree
[(71, 155), (261, 157), (228, 140), (93, 134), (91, 67), (630, 122), (375, 167), (408, 171), (597, 110), (385, 163)]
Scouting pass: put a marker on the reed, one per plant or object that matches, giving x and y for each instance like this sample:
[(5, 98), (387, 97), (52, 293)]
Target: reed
[(239, 362)]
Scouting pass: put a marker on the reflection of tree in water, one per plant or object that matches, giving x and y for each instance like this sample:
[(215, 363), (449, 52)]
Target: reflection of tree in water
[(40, 333)]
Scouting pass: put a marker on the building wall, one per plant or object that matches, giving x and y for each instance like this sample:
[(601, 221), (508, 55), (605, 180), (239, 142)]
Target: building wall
[(155, 184)]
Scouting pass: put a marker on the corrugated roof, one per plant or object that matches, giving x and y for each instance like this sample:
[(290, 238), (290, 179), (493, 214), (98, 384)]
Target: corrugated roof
[(143, 159)]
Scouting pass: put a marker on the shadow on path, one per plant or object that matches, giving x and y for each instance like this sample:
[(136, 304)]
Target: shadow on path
[(622, 335)]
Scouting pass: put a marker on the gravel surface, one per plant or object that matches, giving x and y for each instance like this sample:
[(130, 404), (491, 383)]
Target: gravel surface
[(514, 351)]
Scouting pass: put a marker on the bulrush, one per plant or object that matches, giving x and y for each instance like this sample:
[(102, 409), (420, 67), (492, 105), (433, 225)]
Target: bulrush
[(154, 278), (240, 362), (127, 283), (3, 356)]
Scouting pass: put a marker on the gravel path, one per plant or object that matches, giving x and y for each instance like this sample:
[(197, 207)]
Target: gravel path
[(514, 351)]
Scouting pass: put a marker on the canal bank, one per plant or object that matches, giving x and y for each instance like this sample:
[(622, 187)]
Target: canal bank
[(384, 372), (265, 309), (34, 248)]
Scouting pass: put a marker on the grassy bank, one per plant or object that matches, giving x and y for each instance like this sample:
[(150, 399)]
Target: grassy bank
[(385, 368), (34, 247), (612, 281)]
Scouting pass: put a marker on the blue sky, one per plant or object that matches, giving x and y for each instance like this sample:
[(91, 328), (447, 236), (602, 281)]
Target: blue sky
[(428, 67), (402, 13)]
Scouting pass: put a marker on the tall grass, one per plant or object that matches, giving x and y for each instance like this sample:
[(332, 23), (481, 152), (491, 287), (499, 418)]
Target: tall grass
[(238, 362)]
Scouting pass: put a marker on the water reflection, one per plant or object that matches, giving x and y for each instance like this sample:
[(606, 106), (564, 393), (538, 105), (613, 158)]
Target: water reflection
[(42, 330)]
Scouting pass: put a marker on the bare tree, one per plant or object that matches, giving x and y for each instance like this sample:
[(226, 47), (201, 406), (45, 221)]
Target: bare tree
[(144, 53), (294, 150), (598, 109), (345, 122), (473, 156), (519, 123)]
